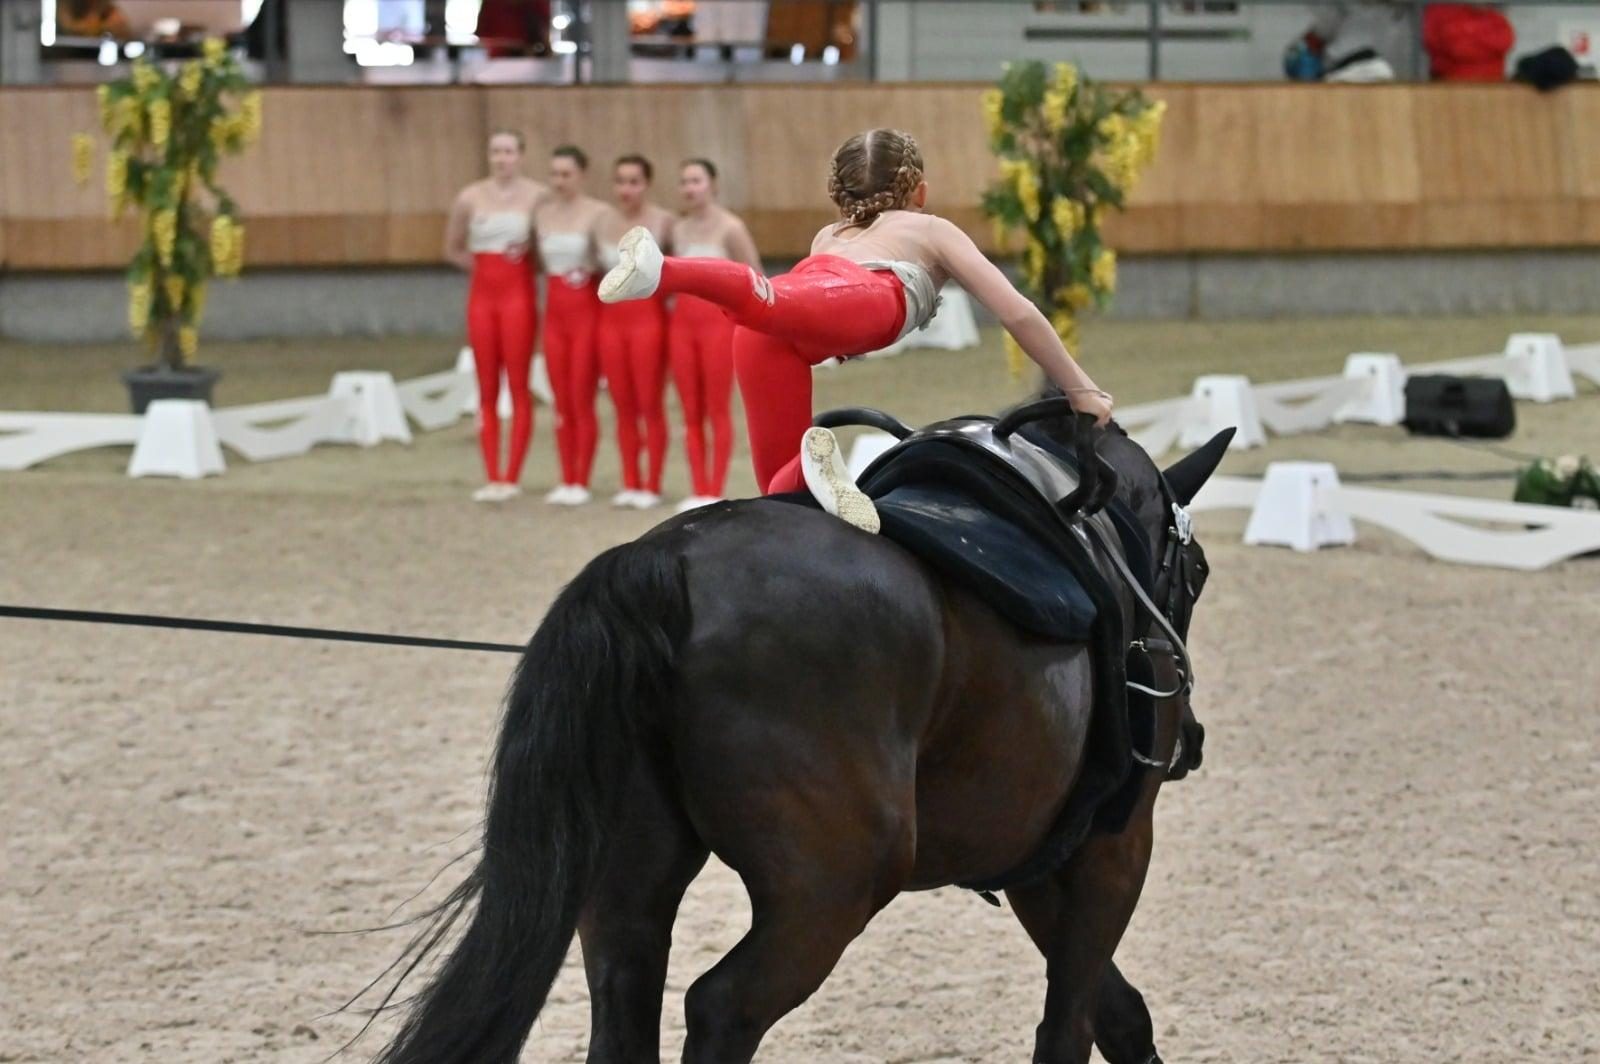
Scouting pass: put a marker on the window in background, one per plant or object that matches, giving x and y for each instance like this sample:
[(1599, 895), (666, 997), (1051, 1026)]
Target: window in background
[(376, 31), (141, 19)]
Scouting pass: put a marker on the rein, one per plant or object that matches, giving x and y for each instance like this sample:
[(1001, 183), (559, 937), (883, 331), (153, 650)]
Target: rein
[(1179, 535)]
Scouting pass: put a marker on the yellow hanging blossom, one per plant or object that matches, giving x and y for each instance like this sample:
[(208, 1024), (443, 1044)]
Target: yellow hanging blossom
[(164, 231), (1028, 192), (82, 158), (145, 77), (1054, 109), (188, 341), (139, 295), (221, 240), (236, 252), (993, 116), (189, 80), (213, 50), (227, 246), (1075, 296), (1033, 263), (127, 117), (1068, 215), (160, 122), (1103, 273), (1147, 131), (250, 117), (174, 286), (1066, 78), (1065, 323), (117, 181), (197, 303), (102, 95), (1013, 170)]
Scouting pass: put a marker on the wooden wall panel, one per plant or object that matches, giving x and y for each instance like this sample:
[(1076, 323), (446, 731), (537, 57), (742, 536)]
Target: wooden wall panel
[(364, 175)]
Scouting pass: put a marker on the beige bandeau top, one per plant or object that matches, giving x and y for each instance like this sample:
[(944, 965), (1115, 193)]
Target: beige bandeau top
[(492, 232)]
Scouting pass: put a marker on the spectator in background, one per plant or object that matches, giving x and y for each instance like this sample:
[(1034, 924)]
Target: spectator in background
[(1466, 42), (91, 18), (1360, 41), (515, 27)]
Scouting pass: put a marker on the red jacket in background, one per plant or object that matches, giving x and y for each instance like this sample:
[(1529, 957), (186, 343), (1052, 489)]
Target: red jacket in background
[(1466, 42), (525, 21)]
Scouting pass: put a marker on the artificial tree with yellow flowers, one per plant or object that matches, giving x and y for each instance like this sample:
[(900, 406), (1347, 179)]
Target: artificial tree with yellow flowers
[(1069, 149), (170, 127)]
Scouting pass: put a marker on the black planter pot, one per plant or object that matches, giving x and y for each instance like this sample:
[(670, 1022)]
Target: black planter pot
[(161, 382)]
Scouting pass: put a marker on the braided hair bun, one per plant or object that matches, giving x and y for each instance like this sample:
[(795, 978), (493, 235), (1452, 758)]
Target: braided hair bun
[(873, 172)]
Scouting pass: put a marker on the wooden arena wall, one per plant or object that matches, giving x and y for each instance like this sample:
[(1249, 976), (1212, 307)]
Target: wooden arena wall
[(363, 176)]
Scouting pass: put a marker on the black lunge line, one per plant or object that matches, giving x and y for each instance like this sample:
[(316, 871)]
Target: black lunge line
[(147, 620)]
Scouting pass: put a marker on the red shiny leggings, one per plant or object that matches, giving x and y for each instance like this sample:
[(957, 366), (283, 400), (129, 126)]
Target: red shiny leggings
[(700, 338), (826, 307), (570, 314), (501, 318), (633, 354)]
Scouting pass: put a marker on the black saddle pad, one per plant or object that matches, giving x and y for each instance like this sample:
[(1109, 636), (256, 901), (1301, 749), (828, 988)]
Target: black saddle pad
[(1028, 584)]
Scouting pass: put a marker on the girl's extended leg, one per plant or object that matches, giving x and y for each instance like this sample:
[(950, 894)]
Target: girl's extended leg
[(483, 333)]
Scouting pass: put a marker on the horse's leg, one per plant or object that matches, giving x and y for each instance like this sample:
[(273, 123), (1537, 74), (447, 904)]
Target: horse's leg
[(626, 923), (818, 864), (1077, 918), (797, 933), (1123, 1031)]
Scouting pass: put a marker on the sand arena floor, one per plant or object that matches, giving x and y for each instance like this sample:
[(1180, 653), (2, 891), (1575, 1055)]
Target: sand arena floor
[(1389, 856)]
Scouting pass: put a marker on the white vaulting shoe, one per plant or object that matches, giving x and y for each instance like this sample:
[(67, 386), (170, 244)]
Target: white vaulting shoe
[(575, 495), (625, 499), (830, 481), (557, 495), (638, 274), (645, 500), (490, 492)]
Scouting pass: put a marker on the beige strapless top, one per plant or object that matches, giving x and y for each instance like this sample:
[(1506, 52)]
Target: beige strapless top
[(492, 232), (566, 255)]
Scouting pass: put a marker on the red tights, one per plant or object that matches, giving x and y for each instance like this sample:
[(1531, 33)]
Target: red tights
[(826, 307), (633, 355), (700, 338), (569, 353), (501, 317)]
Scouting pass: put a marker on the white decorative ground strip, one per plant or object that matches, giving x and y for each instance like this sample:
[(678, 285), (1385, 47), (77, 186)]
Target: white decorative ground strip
[(1447, 527), (284, 429), (436, 401), (26, 439)]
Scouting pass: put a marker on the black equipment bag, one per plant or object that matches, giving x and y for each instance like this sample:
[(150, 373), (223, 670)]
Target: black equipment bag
[(1459, 406)]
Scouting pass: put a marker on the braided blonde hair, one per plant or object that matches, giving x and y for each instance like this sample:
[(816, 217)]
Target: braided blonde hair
[(873, 172)]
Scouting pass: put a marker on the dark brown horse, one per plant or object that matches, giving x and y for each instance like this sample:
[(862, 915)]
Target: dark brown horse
[(833, 720)]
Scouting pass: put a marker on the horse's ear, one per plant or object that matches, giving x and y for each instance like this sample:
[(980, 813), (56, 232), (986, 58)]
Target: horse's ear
[(1188, 474)]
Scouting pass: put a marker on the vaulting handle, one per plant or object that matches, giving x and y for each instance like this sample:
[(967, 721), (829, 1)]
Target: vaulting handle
[(862, 415), (1055, 406)]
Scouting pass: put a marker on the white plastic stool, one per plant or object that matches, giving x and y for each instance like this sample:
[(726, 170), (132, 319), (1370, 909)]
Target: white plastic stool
[(375, 411), (1538, 368), (1385, 400), (1221, 401), (1298, 507), (177, 439)]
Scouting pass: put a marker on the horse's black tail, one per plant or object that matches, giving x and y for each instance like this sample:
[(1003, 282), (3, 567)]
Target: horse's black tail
[(598, 666)]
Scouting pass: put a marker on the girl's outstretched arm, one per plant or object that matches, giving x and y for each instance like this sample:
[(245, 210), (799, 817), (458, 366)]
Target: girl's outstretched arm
[(973, 271)]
